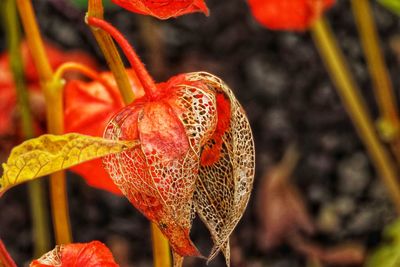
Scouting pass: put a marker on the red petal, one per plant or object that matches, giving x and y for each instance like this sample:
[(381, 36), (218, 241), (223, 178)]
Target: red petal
[(164, 9), (288, 14)]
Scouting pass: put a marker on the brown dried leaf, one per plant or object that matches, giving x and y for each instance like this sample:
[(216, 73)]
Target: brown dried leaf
[(342, 255), (280, 208)]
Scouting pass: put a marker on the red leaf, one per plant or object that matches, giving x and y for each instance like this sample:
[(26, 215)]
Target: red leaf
[(164, 9), (288, 14), (87, 109), (91, 254)]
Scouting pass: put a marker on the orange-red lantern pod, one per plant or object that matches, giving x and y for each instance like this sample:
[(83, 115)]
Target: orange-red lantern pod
[(163, 9), (295, 15), (91, 254)]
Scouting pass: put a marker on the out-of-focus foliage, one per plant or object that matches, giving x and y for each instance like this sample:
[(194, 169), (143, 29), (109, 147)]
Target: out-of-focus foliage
[(392, 5), (388, 255)]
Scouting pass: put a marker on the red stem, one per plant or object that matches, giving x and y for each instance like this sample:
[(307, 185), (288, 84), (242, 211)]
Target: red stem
[(147, 81), (5, 258)]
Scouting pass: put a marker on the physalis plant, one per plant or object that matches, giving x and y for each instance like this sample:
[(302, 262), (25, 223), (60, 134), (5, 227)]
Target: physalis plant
[(183, 147)]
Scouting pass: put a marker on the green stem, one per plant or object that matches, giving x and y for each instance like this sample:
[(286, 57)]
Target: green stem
[(52, 90), (38, 201), (388, 124), (110, 52), (354, 103)]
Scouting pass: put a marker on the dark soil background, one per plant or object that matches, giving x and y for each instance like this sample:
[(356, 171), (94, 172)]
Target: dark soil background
[(282, 84)]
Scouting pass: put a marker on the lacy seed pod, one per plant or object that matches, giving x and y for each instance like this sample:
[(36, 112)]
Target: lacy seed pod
[(90, 254), (160, 176), (195, 137), (226, 169)]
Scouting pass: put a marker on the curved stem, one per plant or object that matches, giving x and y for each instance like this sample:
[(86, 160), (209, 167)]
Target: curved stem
[(54, 112), (80, 68), (110, 52), (144, 77), (354, 103), (5, 258), (36, 189)]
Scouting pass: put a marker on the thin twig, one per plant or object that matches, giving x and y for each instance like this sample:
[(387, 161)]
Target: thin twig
[(36, 189), (388, 124), (55, 121), (354, 103), (110, 52)]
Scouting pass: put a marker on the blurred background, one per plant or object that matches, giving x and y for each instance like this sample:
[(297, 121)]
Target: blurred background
[(330, 202)]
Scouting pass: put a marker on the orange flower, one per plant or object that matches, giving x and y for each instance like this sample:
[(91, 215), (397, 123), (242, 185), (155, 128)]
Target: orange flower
[(91, 254), (164, 9), (288, 14)]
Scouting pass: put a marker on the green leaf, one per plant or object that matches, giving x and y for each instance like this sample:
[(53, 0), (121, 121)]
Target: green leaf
[(392, 5), (51, 153), (388, 254)]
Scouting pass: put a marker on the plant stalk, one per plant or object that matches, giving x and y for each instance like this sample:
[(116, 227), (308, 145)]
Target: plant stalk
[(54, 110), (388, 124), (37, 196), (354, 103), (110, 52), (161, 251)]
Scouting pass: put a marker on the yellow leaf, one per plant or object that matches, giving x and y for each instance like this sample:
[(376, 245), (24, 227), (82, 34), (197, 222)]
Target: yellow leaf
[(51, 153)]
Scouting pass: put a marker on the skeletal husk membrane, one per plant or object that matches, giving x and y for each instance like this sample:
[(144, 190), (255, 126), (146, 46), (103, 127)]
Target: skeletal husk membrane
[(196, 155)]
